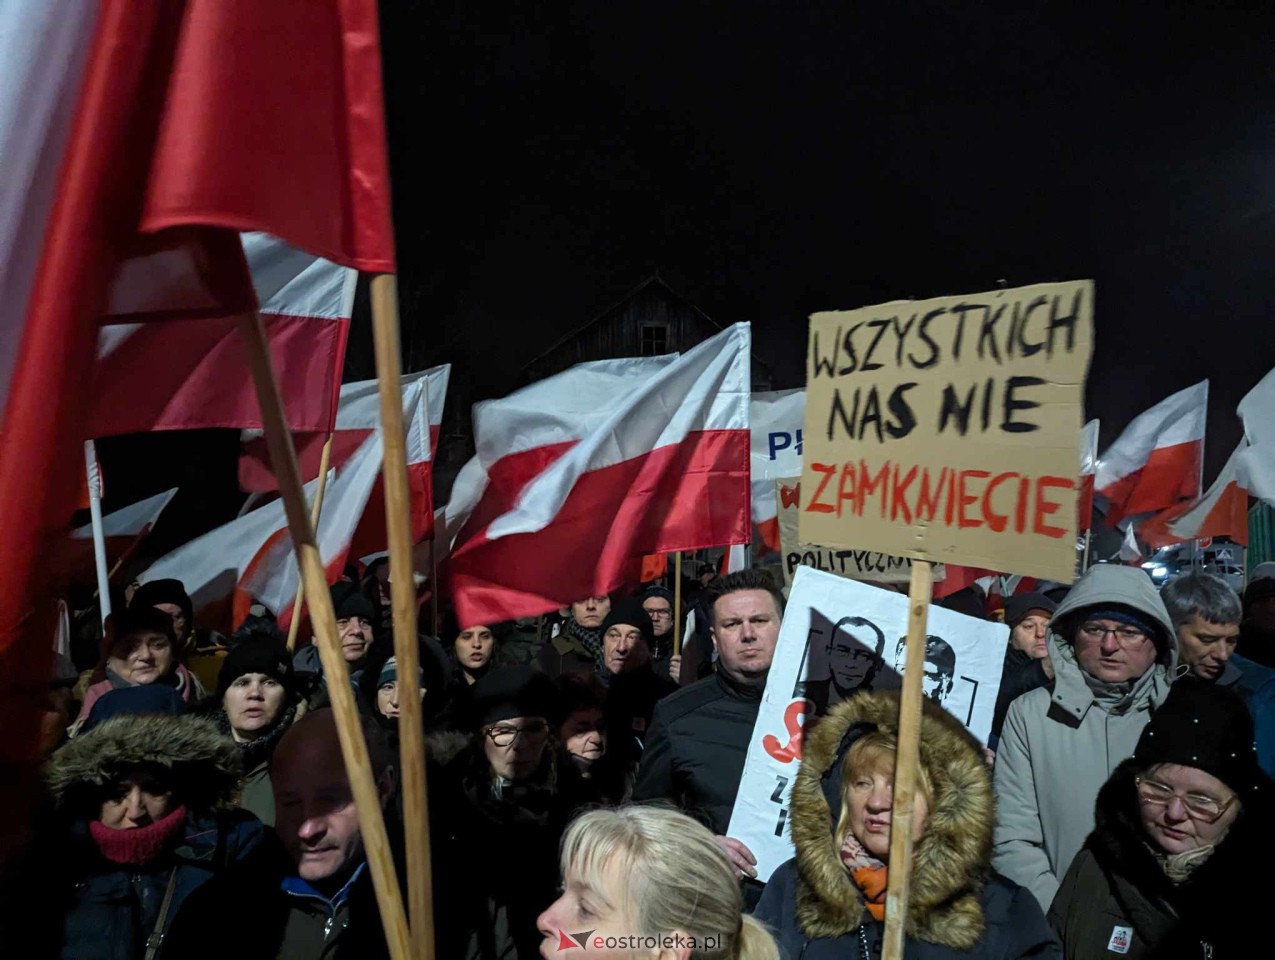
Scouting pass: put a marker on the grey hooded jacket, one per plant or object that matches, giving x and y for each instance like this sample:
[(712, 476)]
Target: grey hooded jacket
[(1058, 748)]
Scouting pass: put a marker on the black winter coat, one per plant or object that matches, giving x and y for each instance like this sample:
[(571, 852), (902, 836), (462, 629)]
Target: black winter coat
[(246, 914), (695, 750), (1020, 674), (630, 706), (1116, 884), (495, 857)]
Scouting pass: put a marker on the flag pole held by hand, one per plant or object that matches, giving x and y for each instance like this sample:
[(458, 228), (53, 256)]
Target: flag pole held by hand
[(385, 336), (358, 765), (907, 760)]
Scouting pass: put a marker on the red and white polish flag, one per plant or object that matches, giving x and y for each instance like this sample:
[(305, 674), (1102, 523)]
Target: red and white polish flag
[(123, 529), (196, 373), (133, 148), (585, 471), (775, 420), (1156, 462), (251, 558), (358, 415)]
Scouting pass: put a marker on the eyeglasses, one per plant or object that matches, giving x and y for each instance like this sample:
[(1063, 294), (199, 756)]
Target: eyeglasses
[(1126, 636), (1200, 806), (660, 614), (503, 736)]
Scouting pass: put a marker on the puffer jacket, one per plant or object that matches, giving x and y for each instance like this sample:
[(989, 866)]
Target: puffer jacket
[(957, 906), (1115, 895), (74, 903), (1059, 745)]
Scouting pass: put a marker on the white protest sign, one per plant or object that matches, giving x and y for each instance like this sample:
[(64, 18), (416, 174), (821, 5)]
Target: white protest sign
[(775, 421), (839, 637)]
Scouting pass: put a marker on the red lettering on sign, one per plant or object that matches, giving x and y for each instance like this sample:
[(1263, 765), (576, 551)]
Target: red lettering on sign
[(815, 506), (1045, 507), (794, 719)]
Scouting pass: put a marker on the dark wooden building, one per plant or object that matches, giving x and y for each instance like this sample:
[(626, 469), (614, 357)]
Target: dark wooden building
[(651, 320)]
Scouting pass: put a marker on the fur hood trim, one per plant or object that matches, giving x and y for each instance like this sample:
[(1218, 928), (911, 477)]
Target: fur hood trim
[(205, 762), (952, 858)]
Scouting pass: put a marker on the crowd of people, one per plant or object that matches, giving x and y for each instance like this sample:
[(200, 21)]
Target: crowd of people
[(582, 776)]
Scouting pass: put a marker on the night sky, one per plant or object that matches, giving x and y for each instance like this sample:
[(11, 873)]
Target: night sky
[(773, 159)]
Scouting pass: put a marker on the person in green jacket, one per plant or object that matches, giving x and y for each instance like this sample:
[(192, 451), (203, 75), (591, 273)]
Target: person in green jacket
[(1113, 649), (255, 703)]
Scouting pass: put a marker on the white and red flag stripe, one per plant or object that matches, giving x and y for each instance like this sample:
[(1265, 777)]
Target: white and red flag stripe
[(124, 529), (1222, 511), (775, 421), (134, 145), (196, 374), (252, 556), (358, 416), (591, 479), (1156, 462)]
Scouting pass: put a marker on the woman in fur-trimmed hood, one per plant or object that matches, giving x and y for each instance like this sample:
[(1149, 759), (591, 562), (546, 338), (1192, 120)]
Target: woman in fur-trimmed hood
[(829, 900), (142, 815)]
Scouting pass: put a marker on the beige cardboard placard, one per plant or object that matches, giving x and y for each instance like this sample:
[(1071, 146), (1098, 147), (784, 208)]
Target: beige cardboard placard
[(868, 565), (948, 429)]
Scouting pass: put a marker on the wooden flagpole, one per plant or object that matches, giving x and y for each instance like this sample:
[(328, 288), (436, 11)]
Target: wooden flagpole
[(907, 761), (677, 604), (385, 335), (358, 765), (325, 460)]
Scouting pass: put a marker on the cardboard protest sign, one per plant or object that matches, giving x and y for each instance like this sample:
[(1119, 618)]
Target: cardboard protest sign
[(855, 564), (947, 429), (839, 637)]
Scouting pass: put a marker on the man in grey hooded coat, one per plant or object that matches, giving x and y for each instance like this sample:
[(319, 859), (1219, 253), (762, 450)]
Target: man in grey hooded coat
[(1114, 654)]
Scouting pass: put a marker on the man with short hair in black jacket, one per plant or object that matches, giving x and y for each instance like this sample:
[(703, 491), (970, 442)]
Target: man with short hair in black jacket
[(698, 741)]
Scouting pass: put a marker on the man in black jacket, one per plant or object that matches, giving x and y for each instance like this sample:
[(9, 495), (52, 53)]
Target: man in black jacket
[(698, 741), (1027, 663)]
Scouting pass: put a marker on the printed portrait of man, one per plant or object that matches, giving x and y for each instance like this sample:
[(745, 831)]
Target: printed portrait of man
[(855, 650), (940, 666)]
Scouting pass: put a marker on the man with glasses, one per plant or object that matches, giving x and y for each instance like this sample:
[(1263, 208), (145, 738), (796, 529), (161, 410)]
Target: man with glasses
[(657, 601), (1113, 650)]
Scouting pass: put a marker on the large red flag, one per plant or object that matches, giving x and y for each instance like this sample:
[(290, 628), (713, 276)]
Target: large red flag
[(583, 479), (160, 116)]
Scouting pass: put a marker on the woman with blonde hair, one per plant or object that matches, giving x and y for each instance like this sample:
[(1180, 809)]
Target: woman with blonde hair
[(649, 881), (830, 900)]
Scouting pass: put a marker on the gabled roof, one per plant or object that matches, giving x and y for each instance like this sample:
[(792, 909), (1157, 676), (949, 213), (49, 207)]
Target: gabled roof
[(655, 280)]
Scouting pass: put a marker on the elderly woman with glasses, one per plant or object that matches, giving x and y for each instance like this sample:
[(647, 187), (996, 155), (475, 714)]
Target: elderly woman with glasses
[(1179, 825), (499, 811)]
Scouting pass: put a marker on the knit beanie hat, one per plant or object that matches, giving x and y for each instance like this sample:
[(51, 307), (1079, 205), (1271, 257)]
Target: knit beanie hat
[(509, 692), (629, 613), (134, 620), (259, 655), (657, 591), (1019, 606), (1208, 727), (165, 591), (348, 601)]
